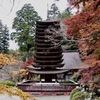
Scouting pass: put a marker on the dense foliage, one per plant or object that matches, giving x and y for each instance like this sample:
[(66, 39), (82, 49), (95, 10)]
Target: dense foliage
[(29, 62), (18, 75), (89, 77), (24, 25), (8, 82), (14, 91), (4, 38), (69, 44), (84, 27), (6, 59), (77, 94), (64, 14)]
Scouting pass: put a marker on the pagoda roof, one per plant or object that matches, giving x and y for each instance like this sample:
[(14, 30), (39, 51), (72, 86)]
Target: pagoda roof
[(72, 60), (49, 21), (55, 71)]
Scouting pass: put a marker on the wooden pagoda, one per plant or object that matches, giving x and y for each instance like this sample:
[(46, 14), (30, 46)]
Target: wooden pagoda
[(49, 62), (47, 56)]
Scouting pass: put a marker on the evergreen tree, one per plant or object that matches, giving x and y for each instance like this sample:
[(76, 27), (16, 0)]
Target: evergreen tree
[(64, 14), (24, 25), (1, 36), (4, 38)]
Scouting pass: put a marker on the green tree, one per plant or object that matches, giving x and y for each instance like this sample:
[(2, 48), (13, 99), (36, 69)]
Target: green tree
[(64, 14), (24, 24), (1, 35), (69, 44), (4, 38)]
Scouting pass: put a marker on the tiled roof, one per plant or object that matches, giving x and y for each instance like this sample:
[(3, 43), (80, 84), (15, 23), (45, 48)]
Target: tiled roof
[(48, 71), (72, 60)]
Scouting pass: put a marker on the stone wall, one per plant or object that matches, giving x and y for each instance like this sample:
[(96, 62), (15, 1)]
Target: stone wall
[(4, 72)]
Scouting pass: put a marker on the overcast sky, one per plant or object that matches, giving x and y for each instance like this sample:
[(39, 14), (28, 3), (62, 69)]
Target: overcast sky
[(39, 5)]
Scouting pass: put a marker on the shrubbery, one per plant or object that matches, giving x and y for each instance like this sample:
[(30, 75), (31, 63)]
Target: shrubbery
[(98, 98), (14, 91), (89, 77), (8, 82), (77, 94), (73, 92)]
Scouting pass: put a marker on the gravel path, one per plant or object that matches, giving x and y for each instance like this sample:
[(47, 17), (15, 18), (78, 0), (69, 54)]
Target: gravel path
[(60, 97)]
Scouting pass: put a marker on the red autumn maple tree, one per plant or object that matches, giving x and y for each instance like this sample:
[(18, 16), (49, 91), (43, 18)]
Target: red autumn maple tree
[(85, 28), (89, 76), (29, 62)]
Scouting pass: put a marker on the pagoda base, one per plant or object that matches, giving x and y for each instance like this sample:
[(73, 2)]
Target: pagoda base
[(47, 88)]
